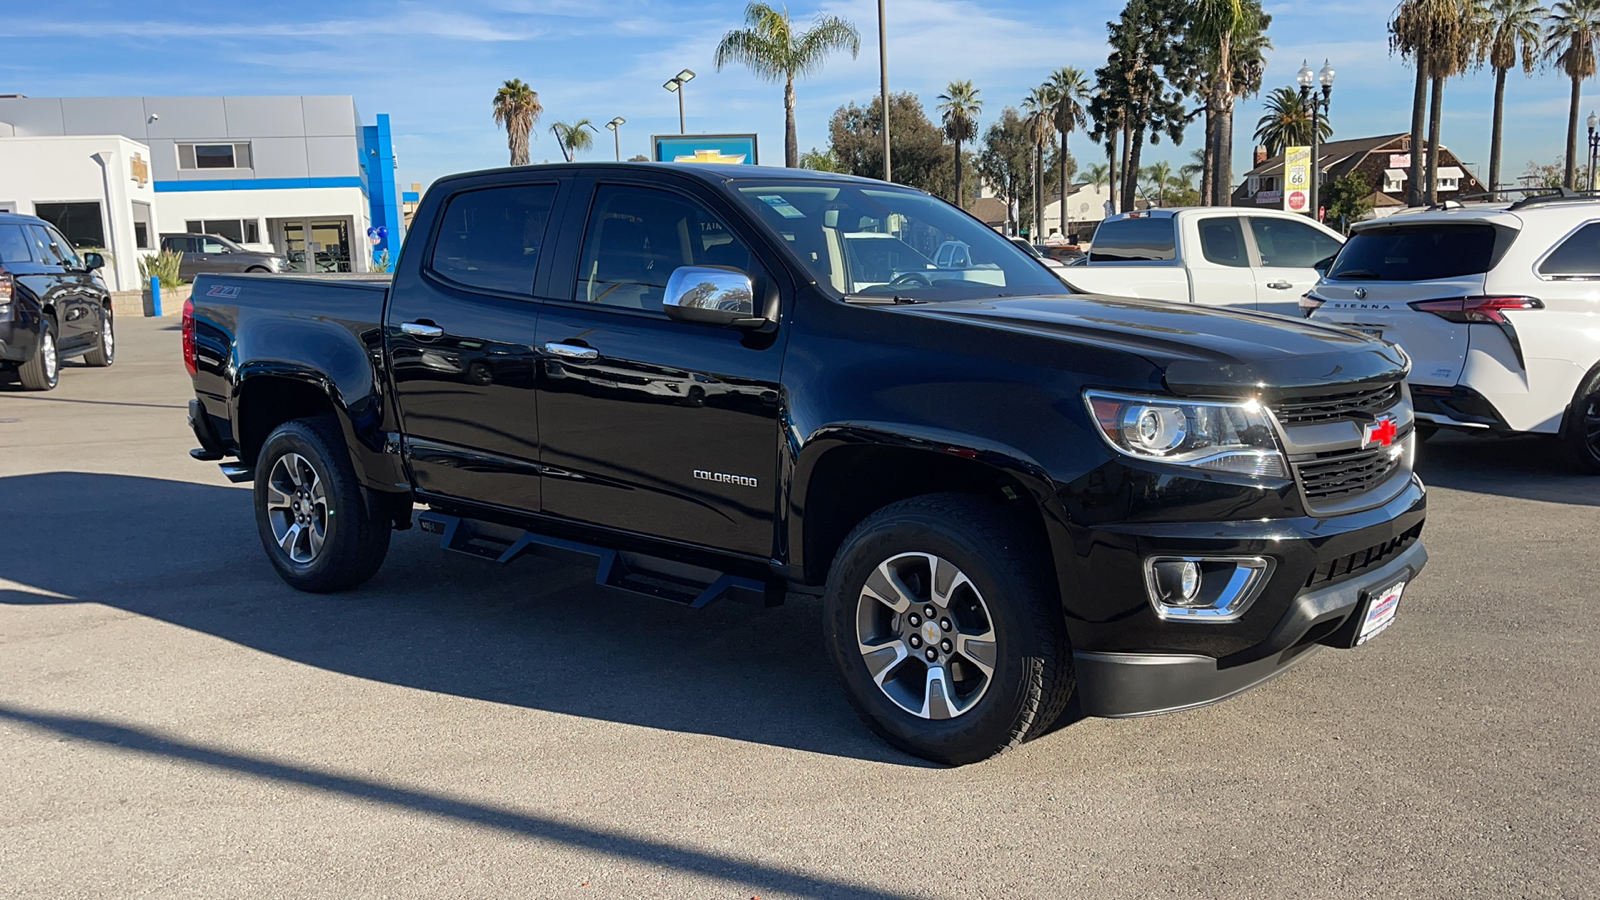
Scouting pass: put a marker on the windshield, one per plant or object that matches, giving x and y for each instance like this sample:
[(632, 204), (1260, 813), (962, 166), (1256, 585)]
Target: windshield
[(887, 241), (1420, 252)]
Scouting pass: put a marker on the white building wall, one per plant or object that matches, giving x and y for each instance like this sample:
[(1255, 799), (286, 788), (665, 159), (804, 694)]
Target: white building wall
[(178, 207), (1085, 204), (82, 169)]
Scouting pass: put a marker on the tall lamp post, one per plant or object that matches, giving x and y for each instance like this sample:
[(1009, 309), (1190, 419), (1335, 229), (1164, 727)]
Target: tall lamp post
[(675, 85), (616, 133), (883, 82), (1319, 107), (1594, 147)]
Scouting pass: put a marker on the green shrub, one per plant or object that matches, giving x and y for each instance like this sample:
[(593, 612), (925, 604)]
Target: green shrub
[(162, 266)]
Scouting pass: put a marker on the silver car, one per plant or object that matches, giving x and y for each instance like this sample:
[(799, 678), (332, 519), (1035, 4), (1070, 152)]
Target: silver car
[(213, 253)]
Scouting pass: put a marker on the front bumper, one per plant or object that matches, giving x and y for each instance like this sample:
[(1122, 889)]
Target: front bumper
[(1137, 684)]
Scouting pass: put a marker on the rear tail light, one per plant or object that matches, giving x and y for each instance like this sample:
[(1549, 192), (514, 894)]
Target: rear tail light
[(189, 359), (1482, 310), (1310, 303), (1466, 310)]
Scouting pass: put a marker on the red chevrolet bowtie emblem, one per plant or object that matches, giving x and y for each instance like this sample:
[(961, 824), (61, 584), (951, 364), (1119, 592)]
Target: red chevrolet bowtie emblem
[(1382, 432)]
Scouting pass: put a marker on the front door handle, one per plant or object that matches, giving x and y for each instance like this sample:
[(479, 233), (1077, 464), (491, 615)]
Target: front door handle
[(1279, 285), (571, 351), (421, 329)]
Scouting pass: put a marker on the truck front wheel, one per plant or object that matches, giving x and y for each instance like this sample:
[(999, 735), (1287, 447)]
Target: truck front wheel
[(945, 630), (310, 513)]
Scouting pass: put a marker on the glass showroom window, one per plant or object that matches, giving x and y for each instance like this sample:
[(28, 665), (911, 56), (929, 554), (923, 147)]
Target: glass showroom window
[(80, 223), (240, 231), (214, 156)]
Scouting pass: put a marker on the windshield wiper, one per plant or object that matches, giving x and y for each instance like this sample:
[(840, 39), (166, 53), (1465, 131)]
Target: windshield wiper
[(1359, 273)]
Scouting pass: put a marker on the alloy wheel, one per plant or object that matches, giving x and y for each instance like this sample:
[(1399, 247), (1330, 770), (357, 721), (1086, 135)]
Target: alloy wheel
[(1590, 424), (108, 339), (297, 508), (926, 635), (52, 365)]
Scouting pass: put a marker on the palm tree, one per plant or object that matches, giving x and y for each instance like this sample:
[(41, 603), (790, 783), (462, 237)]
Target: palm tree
[(1157, 177), (1572, 38), (1515, 32), (516, 106), (1196, 166), (960, 106), (1040, 107), (1098, 174), (1071, 90), (1216, 23), (1441, 36), (1287, 123), (771, 48), (574, 138)]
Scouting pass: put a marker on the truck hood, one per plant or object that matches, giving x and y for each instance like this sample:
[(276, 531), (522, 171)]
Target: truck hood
[(1200, 350)]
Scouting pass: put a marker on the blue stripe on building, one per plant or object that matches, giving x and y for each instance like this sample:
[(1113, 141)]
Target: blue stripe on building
[(378, 163)]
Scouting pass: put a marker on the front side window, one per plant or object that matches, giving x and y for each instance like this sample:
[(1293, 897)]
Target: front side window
[(1291, 244), (1135, 238), (869, 238), (1222, 241), (1578, 257), (491, 238), (14, 245), (1421, 252), (637, 236)]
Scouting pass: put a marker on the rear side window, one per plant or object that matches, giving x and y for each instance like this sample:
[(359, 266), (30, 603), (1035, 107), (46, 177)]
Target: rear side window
[(1285, 242), (1577, 257), (1420, 252), (1142, 239), (491, 238), (1222, 242), (14, 246)]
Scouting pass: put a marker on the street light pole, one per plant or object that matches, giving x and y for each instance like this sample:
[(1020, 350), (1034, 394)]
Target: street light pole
[(883, 82), (1594, 147), (1319, 107), (675, 85), (616, 133)]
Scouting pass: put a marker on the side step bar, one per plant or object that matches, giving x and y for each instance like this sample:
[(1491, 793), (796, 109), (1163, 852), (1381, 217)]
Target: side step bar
[(691, 586)]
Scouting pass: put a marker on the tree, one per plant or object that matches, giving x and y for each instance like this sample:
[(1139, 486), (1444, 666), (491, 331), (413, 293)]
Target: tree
[(574, 138), (516, 106), (1141, 88), (770, 47), (1347, 199), (1287, 123), (1514, 31), (1097, 174), (1006, 164), (1156, 178), (958, 108), (1041, 133), (1572, 38), (1233, 35), (1441, 37), (820, 161), (1071, 92), (922, 157)]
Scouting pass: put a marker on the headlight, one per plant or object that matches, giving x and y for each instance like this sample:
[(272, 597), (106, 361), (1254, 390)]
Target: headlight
[(1224, 437)]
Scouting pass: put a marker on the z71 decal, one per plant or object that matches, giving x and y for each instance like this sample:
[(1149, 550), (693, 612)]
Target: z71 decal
[(228, 291)]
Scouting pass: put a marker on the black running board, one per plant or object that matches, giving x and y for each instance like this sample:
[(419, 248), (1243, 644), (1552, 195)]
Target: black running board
[(690, 586)]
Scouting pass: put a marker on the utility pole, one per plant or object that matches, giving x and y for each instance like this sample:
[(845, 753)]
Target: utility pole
[(883, 82)]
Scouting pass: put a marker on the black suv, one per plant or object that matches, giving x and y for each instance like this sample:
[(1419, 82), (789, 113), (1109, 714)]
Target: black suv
[(52, 304), (720, 380)]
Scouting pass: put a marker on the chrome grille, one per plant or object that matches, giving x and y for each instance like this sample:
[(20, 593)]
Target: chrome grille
[(1355, 404), (1340, 473)]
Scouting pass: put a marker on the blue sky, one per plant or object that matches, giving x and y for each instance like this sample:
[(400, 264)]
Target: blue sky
[(434, 67)]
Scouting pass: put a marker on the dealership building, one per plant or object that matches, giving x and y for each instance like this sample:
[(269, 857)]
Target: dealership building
[(266, 172)]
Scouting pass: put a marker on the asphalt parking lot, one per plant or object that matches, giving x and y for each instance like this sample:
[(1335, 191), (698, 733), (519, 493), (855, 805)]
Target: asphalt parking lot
[(175, 722)]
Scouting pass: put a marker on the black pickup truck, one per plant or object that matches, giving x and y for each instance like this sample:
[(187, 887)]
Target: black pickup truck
[(724, 381)]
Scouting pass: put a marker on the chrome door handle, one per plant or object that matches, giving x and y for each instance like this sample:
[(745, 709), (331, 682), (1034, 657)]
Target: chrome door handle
[(1279, 285), (571, 351), (421, 329)]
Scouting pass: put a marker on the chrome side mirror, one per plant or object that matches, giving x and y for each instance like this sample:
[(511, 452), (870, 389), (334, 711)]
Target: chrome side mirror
[(711, 295)]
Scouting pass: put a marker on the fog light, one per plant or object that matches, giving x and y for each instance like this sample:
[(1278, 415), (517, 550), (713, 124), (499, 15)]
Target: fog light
[(1178, 581)]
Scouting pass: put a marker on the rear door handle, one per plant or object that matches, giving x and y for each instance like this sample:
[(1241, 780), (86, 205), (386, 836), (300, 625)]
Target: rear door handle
[(422, 329), (571, 351), (1279, 285)]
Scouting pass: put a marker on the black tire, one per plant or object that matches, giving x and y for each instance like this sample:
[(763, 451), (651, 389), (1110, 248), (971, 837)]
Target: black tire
[(255, 269), (42, 372), (1580, 428), (1032, 678), (105, 348), (353, 542)]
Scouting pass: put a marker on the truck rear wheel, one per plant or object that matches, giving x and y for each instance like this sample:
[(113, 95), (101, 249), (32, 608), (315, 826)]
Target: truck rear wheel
[(310, 513), (945, 630)]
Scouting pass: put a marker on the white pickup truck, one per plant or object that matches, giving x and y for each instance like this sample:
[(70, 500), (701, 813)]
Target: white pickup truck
[(1259, 259)]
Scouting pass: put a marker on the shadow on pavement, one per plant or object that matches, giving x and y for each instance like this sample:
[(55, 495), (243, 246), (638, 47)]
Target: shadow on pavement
[(536, 634), (135, 740), (1529, 467)]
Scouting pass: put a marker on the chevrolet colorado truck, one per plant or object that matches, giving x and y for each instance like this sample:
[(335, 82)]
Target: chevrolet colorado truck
[(1004, 494)]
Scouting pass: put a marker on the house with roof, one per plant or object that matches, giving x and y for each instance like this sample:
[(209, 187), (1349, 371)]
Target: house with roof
[(1384, 161)]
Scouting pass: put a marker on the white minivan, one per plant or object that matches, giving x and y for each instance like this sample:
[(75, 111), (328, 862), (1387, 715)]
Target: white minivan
[(1498, 306)]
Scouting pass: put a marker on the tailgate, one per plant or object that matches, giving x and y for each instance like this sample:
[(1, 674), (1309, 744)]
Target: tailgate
[(1438, 348)]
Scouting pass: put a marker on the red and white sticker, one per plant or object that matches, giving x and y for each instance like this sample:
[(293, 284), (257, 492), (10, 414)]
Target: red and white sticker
[(1380, 613)]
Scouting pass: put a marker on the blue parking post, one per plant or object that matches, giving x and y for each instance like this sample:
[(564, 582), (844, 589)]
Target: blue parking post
[(155, 297)]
